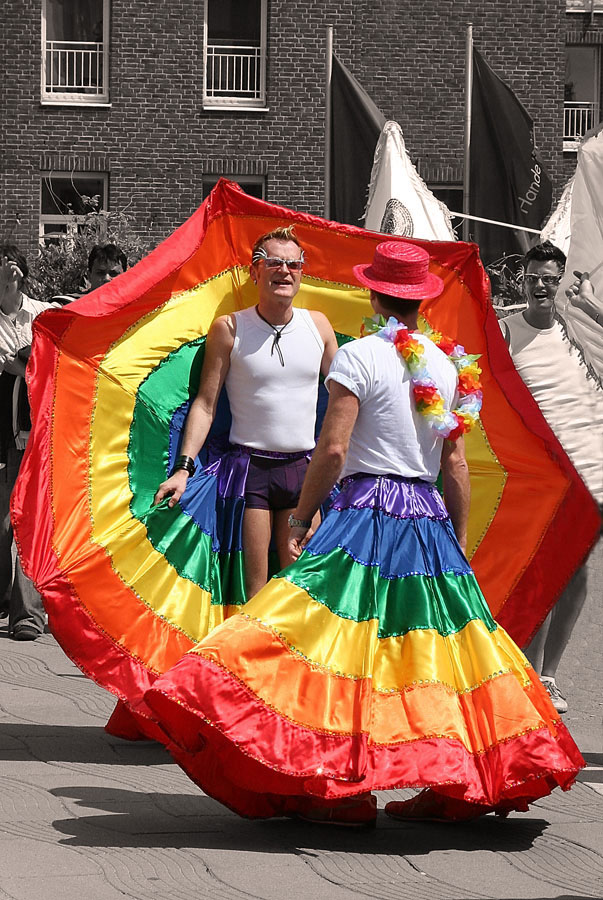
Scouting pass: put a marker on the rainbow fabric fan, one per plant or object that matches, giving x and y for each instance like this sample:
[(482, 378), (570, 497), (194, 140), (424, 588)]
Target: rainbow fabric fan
[(129, 587)]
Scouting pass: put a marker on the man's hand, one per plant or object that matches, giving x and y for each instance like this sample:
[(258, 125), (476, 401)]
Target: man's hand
[(10, 275), (581, 295), (298, 538), (173, 488)]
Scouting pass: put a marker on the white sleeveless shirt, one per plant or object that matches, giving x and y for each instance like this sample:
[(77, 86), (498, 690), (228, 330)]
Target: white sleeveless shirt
[(570, 402), (274, 406)]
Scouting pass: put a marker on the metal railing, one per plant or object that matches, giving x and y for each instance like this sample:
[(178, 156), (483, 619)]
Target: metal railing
[(578, 118), (74, 67), (234, 73)]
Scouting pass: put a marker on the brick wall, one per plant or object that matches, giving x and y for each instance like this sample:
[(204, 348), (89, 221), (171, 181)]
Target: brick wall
[(157, 142)]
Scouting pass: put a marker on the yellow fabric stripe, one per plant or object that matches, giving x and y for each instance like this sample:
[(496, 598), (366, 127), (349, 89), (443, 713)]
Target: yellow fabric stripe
[(346, 647)]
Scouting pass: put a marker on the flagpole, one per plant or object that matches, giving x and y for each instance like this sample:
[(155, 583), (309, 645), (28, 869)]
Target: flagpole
[(467, 154), (327, 163)]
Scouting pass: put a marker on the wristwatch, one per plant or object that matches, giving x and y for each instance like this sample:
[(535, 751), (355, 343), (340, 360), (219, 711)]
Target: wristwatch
[(298, 523)]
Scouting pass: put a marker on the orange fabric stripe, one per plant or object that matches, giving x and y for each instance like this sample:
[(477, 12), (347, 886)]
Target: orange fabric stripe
[(301, 692)]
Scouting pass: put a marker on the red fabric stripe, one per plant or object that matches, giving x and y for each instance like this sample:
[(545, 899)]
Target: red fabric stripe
[(279, 757)]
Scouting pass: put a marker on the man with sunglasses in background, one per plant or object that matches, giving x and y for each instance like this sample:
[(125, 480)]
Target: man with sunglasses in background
[(572, 403), (269, 357)]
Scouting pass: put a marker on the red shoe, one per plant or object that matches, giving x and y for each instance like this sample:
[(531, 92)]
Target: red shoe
[(429, 806), (352, 812)]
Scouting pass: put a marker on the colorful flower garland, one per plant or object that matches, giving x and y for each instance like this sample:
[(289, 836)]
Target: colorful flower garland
[(446, 423)]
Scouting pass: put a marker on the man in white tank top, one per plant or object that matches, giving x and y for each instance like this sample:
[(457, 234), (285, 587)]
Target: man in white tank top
[(269, 357), (572, 404)]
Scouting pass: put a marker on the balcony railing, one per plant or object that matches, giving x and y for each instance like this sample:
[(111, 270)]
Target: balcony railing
[(234, 74), (578, 118), (74, 67)]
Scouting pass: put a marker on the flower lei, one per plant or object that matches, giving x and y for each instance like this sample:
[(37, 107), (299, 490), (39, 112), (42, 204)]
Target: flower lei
[(446, 423)]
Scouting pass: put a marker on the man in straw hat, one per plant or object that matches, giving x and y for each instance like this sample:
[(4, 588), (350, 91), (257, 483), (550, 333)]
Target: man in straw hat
[(373, 662)]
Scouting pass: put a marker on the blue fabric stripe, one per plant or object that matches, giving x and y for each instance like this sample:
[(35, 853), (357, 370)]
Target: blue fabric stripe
[(400, 547)]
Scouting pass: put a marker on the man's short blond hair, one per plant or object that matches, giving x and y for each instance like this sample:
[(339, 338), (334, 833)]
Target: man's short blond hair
[(282, 233)]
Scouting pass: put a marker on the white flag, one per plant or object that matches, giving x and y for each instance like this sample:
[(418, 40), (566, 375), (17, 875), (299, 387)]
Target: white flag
[(586, 251), (399, 201), (558, 228)]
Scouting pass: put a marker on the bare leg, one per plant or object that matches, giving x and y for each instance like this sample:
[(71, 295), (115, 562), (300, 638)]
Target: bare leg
[(563, 619), (535, 649), (257, 528)]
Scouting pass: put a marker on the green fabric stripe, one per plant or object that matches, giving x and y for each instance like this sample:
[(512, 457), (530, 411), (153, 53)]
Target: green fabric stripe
[(445, 603)]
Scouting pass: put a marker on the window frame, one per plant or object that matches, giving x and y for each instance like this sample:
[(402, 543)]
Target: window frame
[(54, 98), (233, 102), (71, 221)]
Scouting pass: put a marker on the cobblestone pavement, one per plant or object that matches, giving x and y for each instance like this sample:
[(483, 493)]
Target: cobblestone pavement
[(85, 815)]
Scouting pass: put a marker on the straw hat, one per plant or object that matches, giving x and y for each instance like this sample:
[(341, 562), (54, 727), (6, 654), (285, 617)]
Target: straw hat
[(400, 269)]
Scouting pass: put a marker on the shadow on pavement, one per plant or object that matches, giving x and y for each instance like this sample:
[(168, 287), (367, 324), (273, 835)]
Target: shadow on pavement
[(133, 819), (76, 743)]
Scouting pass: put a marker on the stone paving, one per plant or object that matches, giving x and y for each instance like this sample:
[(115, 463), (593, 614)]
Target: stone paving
[(85, 815)]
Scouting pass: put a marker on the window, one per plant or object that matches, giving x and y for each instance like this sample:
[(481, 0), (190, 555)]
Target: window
[(452, 198), (64, 198), (255, 185), (75, 51), (582, 91), (583, 6), (235, 54)]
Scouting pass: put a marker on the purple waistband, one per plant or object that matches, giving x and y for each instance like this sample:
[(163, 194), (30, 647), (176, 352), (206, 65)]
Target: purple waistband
[(401, 497)]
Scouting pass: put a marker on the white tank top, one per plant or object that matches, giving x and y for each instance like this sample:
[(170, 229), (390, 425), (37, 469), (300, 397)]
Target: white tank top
[(570, 402), (273, 406)]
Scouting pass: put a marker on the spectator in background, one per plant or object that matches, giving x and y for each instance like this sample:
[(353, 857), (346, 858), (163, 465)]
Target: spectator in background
[(572, 403), (18, 597), (105, 262)]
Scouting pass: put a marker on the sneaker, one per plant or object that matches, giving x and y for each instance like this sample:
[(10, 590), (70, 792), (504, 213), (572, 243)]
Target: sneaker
[(557, 698), (348, 813)]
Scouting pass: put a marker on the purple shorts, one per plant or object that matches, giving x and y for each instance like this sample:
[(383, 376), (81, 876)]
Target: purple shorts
[(274, 483)]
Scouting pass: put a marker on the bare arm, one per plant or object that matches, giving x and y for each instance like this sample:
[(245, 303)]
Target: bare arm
[(457, 489), (327, 460), (327, 334), (201, 414)]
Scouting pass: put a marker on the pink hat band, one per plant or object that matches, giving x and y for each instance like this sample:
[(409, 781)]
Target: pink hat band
[(400, 269)]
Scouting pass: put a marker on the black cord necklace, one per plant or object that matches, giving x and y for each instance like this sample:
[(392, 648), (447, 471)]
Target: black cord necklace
[(277, 335)]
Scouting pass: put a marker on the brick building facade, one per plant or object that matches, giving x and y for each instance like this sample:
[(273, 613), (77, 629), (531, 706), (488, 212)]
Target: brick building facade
[(154, 141)]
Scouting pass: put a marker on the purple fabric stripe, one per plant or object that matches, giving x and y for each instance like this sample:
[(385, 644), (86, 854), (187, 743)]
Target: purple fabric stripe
[(230, 467), (405, 498)]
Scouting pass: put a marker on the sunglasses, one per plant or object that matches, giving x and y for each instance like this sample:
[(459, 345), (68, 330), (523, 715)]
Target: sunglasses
[(547, 280), (275, 262)]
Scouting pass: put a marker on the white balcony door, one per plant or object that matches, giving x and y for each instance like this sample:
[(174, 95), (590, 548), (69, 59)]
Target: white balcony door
[(582, 90), (234, 53), (75, 51)]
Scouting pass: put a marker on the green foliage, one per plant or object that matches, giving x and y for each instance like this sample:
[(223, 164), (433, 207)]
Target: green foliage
[(61, 265), (506, 278)]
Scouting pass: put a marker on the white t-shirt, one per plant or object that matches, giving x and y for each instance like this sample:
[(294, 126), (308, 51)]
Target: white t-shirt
[(390, 436), (15, 334)]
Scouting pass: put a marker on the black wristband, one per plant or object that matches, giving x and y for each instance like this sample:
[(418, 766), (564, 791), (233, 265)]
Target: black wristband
[(184, 462)]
